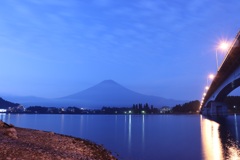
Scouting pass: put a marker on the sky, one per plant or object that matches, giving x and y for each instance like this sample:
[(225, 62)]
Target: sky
[(53, 48)]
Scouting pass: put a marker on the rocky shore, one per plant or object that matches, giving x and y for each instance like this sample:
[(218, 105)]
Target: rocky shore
[(19, 143)]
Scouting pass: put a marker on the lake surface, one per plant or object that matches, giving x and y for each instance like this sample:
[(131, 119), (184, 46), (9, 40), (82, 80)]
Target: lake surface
[(145, 137)]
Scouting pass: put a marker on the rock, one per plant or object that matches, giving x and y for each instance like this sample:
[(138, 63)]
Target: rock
[(51, 133), (11, 132), (11, 125), (1, 123)]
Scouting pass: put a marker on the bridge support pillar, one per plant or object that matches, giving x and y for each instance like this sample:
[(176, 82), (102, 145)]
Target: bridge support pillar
[(218, 109), (215, 109)]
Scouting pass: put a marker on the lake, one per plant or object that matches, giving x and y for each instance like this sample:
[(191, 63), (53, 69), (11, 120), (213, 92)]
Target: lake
[(145, 137)]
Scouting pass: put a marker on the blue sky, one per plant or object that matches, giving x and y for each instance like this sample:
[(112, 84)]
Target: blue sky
[(53, 48)]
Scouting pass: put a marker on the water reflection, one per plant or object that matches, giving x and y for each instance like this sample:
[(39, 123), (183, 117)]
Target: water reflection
[(212, 148), (62, 122), (220, 138), (129, 131), (236, 128), (143, 131), (3, 117)]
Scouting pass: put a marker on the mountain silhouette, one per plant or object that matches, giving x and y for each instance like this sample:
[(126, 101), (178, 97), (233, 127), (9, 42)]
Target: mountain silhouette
[(107, 93), (110, 93)]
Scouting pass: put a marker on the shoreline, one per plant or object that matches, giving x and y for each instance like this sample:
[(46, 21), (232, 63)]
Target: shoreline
[(23, 143)]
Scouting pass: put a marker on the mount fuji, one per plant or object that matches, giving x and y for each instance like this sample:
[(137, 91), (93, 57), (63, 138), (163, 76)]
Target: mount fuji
[(110, 93), (107, 93)]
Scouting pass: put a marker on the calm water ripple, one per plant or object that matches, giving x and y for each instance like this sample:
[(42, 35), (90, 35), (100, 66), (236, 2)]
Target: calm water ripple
[(145, 137)]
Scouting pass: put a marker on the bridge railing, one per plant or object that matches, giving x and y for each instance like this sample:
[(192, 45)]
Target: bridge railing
[(229, 49)]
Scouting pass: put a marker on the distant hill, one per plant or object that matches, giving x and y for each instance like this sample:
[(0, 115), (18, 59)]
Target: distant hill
[(107, 93), (110, 93), (30, 100), (5, 104)]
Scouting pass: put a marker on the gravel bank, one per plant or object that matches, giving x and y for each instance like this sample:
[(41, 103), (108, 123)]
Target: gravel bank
[(19, 143)]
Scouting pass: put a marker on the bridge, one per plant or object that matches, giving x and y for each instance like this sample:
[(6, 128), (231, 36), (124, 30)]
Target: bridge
[(226, 80)]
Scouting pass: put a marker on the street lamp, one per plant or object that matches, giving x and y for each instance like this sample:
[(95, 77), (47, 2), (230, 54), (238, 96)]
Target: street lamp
[(211, 77), (223, 46), (206, 88)]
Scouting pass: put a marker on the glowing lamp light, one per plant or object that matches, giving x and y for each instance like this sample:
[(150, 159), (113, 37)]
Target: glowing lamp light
[(211, 76), (224, 45), (206, 87)]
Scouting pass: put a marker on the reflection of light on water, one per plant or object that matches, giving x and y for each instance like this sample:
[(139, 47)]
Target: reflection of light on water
[(3, 117), (125, 127), (212, 147), (81, 128), (234, 150), (143, 129), (216, 147), (236, 127), (233, 153), (129, 131), (8, 118), (143, 132), (62, 123)]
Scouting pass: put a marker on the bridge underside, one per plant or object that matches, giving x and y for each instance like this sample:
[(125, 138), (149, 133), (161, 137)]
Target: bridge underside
[(227, 89), (217, 107)]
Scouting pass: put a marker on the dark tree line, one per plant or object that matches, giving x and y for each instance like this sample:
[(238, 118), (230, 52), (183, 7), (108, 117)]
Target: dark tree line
[(54, 110), (190, 107), (233, 103), (136, 109), (140, 108)]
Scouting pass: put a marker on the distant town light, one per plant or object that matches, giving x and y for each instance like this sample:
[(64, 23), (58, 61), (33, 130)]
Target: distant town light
[(143, 112), (129, 112), (3, 110)]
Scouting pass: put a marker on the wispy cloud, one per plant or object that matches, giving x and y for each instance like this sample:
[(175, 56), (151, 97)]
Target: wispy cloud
[(123, 34)]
